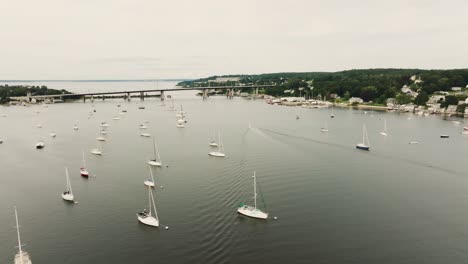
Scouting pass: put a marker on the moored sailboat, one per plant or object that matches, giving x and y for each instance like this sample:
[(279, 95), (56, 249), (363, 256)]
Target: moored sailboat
[(365, 140), (68, 194), (146, 217), (252, 211), (156, 161), (22, 257)]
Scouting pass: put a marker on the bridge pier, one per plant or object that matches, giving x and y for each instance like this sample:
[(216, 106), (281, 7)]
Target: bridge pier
[(84, 99), (142, 96), (128, 97), (162, 95), (205, 94), (92, 98)]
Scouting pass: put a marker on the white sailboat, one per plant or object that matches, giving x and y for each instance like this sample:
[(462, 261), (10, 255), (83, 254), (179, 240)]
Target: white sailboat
[(142, 126), (252, 211), (53, 134), (68, 194), (97, 150), (220, 149), (180, 123), (213, 142), (101, 137), (22, 257), (333, 113), (157, 158), (104, 124), (365, 145), (172, 107), (150, 182), (83, 171), (145, 135), (324, 128), (384, 132), (75, 126), (40, 144), (146, 217)]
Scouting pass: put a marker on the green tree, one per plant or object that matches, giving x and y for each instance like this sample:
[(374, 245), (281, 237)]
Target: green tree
[(449, 100), (421, 98), (368, 93), (402, 98)]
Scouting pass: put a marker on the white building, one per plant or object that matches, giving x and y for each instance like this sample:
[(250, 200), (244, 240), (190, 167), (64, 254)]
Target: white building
[(355, 100), (406, 90), (456, 89), (435, 99)]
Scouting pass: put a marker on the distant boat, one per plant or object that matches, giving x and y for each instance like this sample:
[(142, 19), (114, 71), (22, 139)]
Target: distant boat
[(181, 113), (324, 128), (365, 140), (146, 217), (332, 112), (83, 171), (40, 144), (116, 118), (142, 126), (384, 132), (103, 132), (444, 136), (213, 142), (145, 135), (53, 134), (252, 211), (156, 161), (413, 142), (124, 111), (456, 122), (22, 257), (150, 182), (75, 127), (141, 107), (39, 126), (104, 124), (219, 149), (180, 123), (68, 194), (101, 137), (172, 107), (97, 150), (297, 117)]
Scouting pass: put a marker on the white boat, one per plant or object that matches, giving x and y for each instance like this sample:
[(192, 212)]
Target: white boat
[(22, 257), (213, 142), (68, 194), (39, 126), (150, 182), (181, 113), (40, 144), (172, 107), (103, 132), (252, 211), (97, 150), (456, 122), (101, 138), (75, 127), (219, 149), (104, 124), (324, 128), (141, 107), (146, 217), (180, 123), (444, 136), (365, 145), (53, 134), (145, 135), (156, 161), (142, 126), (413, 142), (83, 171), (384, 132), (116, 118)]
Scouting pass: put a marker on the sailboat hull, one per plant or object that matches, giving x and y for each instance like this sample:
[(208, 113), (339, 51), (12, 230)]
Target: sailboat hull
[(22, 258), (149, 220), (149, 183), (362, 147), (383, 133), (214, 145), (217, 154), (84, 173), (68, 197), (96, 152), (154, 163), (250, 211)]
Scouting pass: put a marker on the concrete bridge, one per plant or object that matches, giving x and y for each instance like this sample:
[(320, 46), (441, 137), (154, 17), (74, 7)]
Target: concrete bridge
[(127, 94)]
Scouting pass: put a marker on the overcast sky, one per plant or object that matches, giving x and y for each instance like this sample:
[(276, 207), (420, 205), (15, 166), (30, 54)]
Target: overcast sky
[(122, 39)]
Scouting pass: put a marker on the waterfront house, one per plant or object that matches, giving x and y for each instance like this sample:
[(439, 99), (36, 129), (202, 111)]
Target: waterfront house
[(355, 100), (435, 99), (406, 90), (451, 109), (456, 89)]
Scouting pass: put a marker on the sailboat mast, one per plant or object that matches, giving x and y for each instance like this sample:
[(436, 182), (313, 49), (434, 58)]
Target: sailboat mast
[(255, 190), (154, 149), (19, 238), (363, 134), (68, 181), (149, 200), (151, 172), (154, 205), (84, 163), (385, 125)]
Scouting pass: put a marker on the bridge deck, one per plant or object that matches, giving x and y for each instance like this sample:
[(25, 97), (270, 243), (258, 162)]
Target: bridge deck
[(141, 91)]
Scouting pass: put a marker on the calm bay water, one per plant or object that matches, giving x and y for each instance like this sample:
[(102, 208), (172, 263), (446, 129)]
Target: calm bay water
[(398, 203)]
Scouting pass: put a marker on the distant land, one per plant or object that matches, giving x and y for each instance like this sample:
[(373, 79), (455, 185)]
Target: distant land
[(101, 80), (374, 86)]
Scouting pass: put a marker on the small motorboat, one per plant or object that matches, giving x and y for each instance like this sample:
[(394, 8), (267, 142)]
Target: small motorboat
[(53, 134), (145, 135), (141, 107), (40, 145), (444, 136), (413, 142)]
